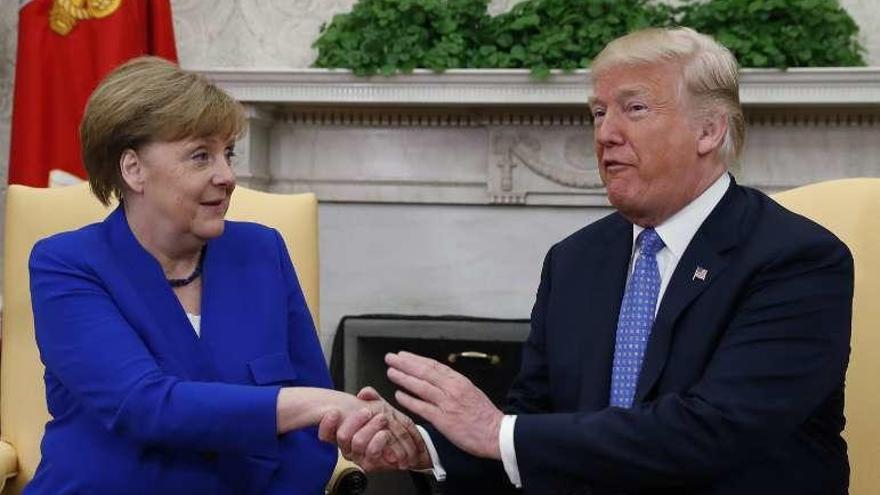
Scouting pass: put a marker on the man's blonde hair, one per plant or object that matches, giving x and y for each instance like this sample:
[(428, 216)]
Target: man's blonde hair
[(149, 99), (709, 73)]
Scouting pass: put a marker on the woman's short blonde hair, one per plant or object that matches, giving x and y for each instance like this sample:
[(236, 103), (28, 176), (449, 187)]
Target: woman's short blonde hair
[(710, 73), (149, 99)]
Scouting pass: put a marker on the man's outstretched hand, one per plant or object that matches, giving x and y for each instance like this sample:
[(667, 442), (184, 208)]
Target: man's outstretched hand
[(457, 408)]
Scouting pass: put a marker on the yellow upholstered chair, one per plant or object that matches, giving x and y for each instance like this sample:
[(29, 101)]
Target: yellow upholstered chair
[(851, 209), (32, 214)]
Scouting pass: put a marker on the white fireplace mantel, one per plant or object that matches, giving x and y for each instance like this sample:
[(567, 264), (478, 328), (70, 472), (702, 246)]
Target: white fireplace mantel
[(477, 137), (803, 86)]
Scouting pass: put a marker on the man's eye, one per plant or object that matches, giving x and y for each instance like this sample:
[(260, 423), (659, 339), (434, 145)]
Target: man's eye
[(637, 107), (200, 156), (598, 112)]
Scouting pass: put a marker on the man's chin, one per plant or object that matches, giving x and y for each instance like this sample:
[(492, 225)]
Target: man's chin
[(630, 206), (620, 196)]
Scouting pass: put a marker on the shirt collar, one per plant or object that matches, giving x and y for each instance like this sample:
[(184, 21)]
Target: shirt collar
[(678, 230)]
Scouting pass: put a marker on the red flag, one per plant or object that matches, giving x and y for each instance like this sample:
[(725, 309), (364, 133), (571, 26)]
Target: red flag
[(65, 48)]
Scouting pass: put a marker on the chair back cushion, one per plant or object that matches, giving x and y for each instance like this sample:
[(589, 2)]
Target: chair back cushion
[(31, 214), (35, 213), (850, 208)]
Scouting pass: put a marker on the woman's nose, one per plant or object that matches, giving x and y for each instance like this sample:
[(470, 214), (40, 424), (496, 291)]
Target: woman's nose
[(224, 174)]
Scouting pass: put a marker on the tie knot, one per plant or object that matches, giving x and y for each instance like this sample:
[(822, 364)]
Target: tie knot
[(650, 242)]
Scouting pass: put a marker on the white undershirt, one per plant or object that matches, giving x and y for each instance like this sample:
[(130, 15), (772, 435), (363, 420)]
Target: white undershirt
[(196, 322), (676, 233)]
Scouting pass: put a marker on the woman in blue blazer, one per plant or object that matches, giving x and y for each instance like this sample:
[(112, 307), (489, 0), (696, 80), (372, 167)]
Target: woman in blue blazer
[(180, 355)]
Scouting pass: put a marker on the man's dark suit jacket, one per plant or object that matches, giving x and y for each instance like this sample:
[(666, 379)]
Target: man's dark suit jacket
[(741, 391)]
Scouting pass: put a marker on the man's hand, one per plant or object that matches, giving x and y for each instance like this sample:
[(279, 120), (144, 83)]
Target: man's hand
[(378, 437), (447, 399)]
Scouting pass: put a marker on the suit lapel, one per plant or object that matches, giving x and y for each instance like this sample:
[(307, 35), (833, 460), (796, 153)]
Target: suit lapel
[(703, 261), (604, 270)]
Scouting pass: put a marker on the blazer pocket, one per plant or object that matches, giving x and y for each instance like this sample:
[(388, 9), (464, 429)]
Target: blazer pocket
[(273, 369)]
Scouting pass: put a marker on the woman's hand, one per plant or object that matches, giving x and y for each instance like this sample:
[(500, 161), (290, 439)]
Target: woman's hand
[(298, 407)]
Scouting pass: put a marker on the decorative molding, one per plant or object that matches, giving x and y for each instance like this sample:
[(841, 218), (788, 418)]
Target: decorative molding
[(559, 116), (515, 87), (543, 166), (380, 117), (394, 116), (811, 86), (498, 137), (385, 191), (580, 174), (454, 87), (814, 117), (524, 148)]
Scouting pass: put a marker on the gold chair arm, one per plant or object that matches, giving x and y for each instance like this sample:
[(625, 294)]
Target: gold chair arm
[(348, 479), (8, 463)]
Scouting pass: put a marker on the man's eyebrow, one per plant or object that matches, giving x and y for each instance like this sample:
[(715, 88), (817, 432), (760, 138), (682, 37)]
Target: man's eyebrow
[(622, 94)]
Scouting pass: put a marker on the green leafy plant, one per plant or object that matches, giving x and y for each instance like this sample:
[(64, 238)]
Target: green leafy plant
[(389, 36), (779, 33), (562, 34)]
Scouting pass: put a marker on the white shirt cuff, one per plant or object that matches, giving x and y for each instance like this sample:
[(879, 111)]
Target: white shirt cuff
[(438, 471), (508, 452)]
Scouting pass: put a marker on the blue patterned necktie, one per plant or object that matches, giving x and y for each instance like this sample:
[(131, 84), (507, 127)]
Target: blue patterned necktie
[(635, 320)]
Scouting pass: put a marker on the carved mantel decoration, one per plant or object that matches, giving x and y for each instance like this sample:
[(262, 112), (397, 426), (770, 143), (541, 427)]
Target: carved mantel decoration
[(498, 137)]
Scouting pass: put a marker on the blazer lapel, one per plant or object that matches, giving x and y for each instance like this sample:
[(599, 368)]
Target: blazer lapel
[(221, 312), (702, 262), (605, 272), (149, 300)]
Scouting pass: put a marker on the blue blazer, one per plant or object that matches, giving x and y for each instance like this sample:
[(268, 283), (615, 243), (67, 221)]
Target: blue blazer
[(139, 403), (741, 390)]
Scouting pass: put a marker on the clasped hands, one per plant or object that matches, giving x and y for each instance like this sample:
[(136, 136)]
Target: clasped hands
[(375, 435), (379, 437)]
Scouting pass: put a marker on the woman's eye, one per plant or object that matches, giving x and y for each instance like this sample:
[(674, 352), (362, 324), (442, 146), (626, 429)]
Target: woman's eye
[(230, 153), (200, 156)]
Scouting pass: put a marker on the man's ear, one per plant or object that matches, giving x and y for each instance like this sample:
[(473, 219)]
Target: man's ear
[(132, 170), (712, 130)]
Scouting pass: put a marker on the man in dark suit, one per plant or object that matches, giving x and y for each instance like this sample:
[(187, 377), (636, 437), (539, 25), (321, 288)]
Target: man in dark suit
[(693, 342)]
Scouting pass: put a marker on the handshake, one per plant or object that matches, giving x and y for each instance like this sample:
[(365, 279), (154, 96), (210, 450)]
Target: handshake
[(376, 436)]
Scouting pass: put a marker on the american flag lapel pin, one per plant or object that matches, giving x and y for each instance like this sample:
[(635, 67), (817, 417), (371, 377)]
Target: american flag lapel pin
[(700, 274)]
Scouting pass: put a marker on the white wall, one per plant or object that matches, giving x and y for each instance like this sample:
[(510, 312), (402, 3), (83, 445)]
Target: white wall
[(436, 260)]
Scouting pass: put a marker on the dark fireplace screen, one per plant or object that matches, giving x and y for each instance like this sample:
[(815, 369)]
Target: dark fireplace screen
[(487, 351)]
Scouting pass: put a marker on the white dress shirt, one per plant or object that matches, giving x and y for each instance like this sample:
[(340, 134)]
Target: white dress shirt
[(676, 233)]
